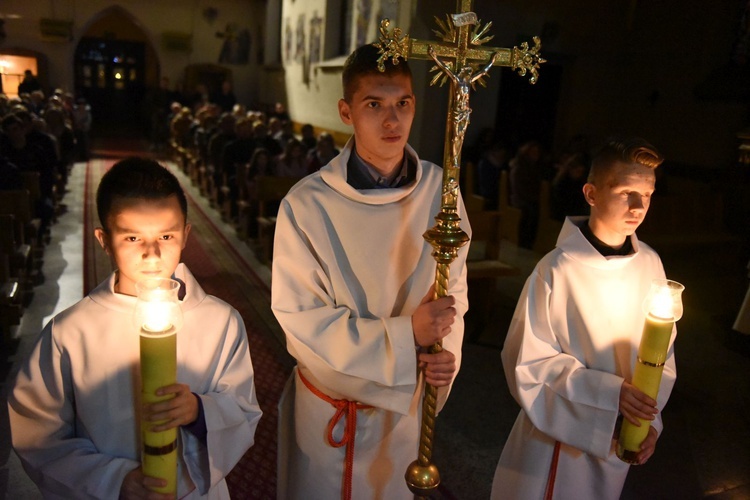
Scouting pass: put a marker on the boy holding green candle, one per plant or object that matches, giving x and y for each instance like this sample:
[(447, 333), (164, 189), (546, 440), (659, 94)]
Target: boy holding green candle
[(573, 342), (75, 409)]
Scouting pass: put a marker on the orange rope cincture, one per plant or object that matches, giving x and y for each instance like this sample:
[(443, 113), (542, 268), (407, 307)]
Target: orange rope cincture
[(348, 410), (552, 472)]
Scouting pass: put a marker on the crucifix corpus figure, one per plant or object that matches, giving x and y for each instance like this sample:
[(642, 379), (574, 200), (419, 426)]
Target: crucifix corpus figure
[(462, 81)]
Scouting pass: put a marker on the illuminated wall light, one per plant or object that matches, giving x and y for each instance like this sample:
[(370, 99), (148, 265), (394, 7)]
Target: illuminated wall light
[(12, 68)]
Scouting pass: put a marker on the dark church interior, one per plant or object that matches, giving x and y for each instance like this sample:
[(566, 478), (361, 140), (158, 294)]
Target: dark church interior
[(203, 87)]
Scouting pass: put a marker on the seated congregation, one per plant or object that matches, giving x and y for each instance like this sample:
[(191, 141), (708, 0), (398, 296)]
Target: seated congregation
[(41, 138)]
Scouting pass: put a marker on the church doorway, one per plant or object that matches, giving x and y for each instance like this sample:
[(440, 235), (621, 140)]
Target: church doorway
[(115, 65), (109, 74)]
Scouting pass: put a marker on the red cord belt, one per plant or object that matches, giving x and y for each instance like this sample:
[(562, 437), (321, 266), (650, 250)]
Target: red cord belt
[(344, 409)]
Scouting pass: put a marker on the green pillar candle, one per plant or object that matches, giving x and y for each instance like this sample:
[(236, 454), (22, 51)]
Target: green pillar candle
[(158, 369), (652, 354), (663, 306)]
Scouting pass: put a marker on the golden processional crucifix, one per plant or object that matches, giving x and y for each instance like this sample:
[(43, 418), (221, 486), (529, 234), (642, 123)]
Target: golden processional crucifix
[(461, 58)]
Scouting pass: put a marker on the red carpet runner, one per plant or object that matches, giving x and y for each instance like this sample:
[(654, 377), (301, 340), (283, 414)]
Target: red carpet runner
[(222, 272)]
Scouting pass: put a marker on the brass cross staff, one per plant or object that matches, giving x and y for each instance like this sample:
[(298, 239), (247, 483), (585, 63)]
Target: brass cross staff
[(463, 37)]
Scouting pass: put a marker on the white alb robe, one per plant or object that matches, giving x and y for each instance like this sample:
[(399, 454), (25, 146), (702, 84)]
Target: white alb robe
[(73, 407), (349, 269), (573, 339)]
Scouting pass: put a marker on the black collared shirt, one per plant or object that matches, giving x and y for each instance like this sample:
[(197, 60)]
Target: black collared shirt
[(361, 175), (603, 248)]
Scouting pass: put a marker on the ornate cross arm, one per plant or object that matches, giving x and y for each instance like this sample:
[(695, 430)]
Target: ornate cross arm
[(392, 45), (528, 59)]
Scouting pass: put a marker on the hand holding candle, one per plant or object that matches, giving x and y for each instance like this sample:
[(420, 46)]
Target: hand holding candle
[(663, 306), (158, 316)]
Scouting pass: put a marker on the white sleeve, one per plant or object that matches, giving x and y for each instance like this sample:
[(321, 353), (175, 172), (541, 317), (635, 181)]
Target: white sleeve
[(372, 360), (41, 408), (367, 360), (231, 410)]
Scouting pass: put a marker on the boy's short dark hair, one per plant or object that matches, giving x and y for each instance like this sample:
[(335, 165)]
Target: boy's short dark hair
[(137, 178), (364, 61), (625, 150)]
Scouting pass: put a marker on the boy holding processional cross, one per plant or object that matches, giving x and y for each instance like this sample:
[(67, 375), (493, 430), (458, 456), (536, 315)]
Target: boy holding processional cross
[(75, 408), (573, 341), (351, 287)]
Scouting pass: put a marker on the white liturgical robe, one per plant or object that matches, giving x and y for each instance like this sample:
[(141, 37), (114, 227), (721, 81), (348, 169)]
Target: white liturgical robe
[(350, 267), (572, 341), (73, 408)]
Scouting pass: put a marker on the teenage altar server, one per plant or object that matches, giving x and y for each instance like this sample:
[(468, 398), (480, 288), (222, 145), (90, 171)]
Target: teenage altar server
[(351, 288), (572, 342), (73, 409)]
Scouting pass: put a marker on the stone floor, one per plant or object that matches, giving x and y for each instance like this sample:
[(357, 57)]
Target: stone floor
[(704, 451)]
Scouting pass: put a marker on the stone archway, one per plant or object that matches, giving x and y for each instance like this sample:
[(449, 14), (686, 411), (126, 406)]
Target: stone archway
[(115, 63)]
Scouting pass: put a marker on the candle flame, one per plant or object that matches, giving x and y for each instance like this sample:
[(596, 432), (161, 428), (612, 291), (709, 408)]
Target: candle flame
[(157, 308), (662, 305), (156, 316)]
